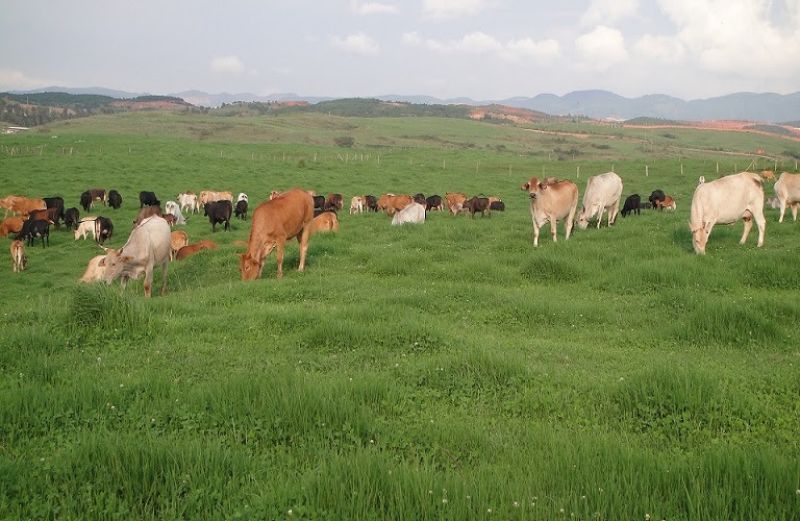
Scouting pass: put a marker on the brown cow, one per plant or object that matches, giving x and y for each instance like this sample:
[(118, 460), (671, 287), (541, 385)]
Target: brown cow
[(11, 225), (19, 261), (24, 206), (98, 194), (478, 204), (455, 201), (325, 222), (334, 202), (177, 240), (668, 203), (275, 222), (207, 196), (391, 203), (188, 251)]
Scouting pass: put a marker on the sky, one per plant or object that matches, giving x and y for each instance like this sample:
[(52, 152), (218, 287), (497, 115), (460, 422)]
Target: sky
[(481, 49)]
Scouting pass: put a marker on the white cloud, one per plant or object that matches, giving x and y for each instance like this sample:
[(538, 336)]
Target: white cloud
[(660, 48), (482, 43), (367, 8), (452, 8), (608, 12), (227, 65), (358, 43), (601, 48), (12, 79)]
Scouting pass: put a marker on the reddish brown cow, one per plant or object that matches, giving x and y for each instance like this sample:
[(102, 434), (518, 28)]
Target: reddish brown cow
[(24, 206), (11, 225), (391, 203), (188, 251), (455, 201), (325, 222), (275, 222)]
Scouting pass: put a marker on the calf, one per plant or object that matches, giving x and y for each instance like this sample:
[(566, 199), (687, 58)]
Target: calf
[(191, 249), (19, 261), (148, 199), (434, 203), (86, 226), (334, 202), (241, 209), (98, 194), (356, 204), (219, 212), (35, 228), (174, 209), (632, 204), (478, 204), (325, 222), (103, 229), (656, 196), (787, 190), (499, 206), (57, 205), (551, 201), (188, 202), (86, 201), (114, 199), (455, 201), (177, 240)]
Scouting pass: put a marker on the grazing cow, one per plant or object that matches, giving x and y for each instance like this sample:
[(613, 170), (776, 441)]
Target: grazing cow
[(767, 175), (144, 213), (86, 226), (413, 213), (455, 201), (478, 204), (11, 225), (86, 201), (98, 194), (668, 203), (394, 203), (40, 215), (219, 212), (177, 240), (434, 203), (191, 249), (35, 228), (499, 206), (24, 205), (56, 204), (356, 204), (188, 202), (787, 190), (95, 270), (275, 222), (241, 209), (420, 199), (103, 229), (552, 201), (19, 261), (146, 248), (334, 202), (371, 203), (172, 208), (632, 204), (208, 196), (114, 199), (148, 199), (725, 201), (602, 193), (656, 196), (325, 222)]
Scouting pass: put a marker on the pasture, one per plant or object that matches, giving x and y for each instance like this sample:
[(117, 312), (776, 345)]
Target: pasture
[(441, 371)]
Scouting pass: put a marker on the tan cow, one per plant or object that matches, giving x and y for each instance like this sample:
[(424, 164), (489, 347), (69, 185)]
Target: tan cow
[(552, 201), (177, 240), (19, 261), (22, 205), (191, 249), (325, 222), (207, 196), (95, 271), (393, 203), (455, 201), (357, 204), (725, 201), (602, 193), (275, 222), (787, 189), (11, 225)]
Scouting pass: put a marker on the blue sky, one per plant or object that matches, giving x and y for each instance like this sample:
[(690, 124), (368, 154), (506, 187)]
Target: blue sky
[(483, 49)]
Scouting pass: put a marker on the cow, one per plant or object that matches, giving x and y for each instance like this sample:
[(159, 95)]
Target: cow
[(208, 196), (551, 200), (19, 261), (319, 201), (767, 175), (602, 193), (177, 240), (371, 203), (23, 205), (86, 201), (499, 206), (478, 204), (32, 228), (668, 204), (325, 222), (11, 225), (172, 208), (98, 194), (41, 215), (434, 203), (656, 196), (144, 213), (334, 202), (188, 202), (95, 270), (787, 190), (148, 199), (725, 201), (8, 202), (275, 222), (147, 247), (191, 249), (103, 229), (633, 203), (455, 201), (57, 204), (86, 226), (241, 209), (218, 212), (394, 203), (420, 199), (356, 204), (413, 213), (114, 199)]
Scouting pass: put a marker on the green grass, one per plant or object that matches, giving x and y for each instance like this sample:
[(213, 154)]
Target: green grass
[(442, 371)]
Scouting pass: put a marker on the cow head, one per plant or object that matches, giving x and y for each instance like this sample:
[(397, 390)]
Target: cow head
[(249, 266), (585, 215), (115, 263), (699, 237)]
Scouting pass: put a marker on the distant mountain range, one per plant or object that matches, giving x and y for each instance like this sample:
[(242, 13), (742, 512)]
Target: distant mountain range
[(598, 104)]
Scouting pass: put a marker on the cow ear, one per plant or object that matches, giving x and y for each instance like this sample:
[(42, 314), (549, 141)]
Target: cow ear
[(102, 262), (542, 186), (526, 186)]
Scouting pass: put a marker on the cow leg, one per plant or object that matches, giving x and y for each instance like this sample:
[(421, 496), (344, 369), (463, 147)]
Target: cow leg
[(280, 250), (794, 211), (304, 236), (164, 268), (783, 210), (748, 224), (554, 229), (761, 224), (600, 217)]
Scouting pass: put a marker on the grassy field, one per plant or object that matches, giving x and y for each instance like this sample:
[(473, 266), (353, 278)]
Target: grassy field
[(441, 371)]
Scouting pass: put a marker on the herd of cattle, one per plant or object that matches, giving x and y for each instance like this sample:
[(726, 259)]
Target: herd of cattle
[(299, 214)]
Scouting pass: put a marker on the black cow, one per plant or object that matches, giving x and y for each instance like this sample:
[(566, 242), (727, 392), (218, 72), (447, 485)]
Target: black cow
[(103, 229), (114, 199), (241, 209), (478, 204), (56, 203), (499, 206), (656, 197), (71, 218), (86, 201), (372, 202), (319, 201), (219, 212), (632, 204), (148, 199), (35, 228), (334, 202), (434, 202), (420, 198)]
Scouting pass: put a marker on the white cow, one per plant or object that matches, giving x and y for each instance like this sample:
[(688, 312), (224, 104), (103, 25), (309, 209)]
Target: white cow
[(553, 201), (86, 226), (188, 202), (147, 247), (787, 189), (602, 193), (356, 204), (413, 213), (725, 201), (174, 209)]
